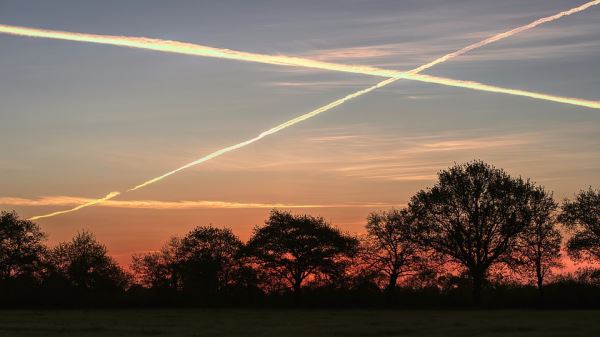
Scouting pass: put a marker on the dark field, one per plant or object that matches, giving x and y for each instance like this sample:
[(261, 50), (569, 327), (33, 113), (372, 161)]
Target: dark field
[(305, 323)]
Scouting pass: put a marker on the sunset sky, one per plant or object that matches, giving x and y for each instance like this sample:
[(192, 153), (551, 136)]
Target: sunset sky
[(80, 120)]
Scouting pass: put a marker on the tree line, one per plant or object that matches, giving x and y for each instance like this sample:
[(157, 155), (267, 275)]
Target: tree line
[(477, 236)]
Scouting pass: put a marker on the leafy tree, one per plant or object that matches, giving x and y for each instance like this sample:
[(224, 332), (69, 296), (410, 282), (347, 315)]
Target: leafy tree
[(293, 248), (582, 215), (539, 246), (83, 263), (207, 260), (21, 248), (390, 247), (474, 216), (159, 270), (151, 271)]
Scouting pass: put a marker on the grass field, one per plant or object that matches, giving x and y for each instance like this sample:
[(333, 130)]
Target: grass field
[(305, 323)]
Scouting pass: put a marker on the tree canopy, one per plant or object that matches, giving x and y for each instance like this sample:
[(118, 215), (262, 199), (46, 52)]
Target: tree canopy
[(84, 264), (21, 247), (473, 216), (296, 247), (538, 250), (391, 245), (582, 216)]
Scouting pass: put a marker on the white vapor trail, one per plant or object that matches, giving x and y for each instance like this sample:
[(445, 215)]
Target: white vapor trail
[(413, 74), (206, 51)]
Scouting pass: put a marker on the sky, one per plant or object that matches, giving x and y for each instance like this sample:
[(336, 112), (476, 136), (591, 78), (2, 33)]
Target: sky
[(81, 120)]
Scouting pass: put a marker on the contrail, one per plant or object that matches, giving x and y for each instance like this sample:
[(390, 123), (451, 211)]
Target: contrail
[(267, 133), (227, 149), (412, 74), (504, 35), (87, 204), (206, 51)]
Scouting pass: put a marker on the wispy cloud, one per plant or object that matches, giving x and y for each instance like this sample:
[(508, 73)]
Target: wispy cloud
[(551, 42), (381, 155), (409, 158), (365, 52), (319, 85), (169, 205)]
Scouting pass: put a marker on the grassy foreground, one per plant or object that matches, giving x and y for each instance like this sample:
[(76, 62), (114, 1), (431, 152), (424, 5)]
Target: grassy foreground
[(305, 323)]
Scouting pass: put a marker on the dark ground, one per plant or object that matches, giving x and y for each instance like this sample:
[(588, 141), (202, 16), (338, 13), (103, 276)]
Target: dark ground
[(305, 323)]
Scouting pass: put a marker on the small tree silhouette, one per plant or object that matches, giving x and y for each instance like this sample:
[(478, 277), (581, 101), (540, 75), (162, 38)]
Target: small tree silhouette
[(21, 247), (296, 247), (85, 265), (390, 246), (582, 216), (209, 259), (206, 261), (538, 250)]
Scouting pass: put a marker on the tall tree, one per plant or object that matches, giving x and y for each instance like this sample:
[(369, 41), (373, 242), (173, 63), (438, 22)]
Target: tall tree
[(582, 216), (21, 247), (473, 215), (539, 245), (85, 265), (391, 248), (296, 247)]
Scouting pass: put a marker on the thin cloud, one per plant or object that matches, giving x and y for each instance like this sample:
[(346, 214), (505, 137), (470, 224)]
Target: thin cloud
[(169, 205), (541, 43), (369, 154)]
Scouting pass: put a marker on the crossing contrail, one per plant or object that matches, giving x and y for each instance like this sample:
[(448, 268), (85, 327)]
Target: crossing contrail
[(409, 74), (206, 51)]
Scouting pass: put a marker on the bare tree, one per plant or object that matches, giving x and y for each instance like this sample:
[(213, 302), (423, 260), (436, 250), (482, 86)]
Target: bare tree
[(539, 245), (473, 215), (390, 247), (582, 216)]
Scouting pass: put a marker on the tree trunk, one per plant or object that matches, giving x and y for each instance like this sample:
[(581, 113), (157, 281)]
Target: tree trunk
[(297, 287), (478, 279), (392, 283), (540, 279)]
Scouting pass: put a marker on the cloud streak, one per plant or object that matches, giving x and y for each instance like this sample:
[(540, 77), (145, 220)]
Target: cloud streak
[(170, 205)]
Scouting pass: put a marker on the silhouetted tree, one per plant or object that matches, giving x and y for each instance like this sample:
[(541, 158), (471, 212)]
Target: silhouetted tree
[(206, 261), (21, 247), (473, 215), (391, 247), (209, 259), (582, 215), (539, 245), (160, 270), (83, 263), (155, 269), (296, 247)]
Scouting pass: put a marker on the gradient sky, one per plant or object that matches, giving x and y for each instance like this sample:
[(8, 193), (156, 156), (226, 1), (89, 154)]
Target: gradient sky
[(81, 120)]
